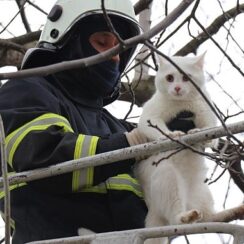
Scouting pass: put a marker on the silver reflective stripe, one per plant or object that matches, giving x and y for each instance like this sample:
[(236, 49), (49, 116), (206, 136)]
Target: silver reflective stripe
[(85, 146), (123, 182), (84, 179)]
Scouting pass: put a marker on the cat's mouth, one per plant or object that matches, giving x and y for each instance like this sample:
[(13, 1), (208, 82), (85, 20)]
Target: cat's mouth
[(178, 94)]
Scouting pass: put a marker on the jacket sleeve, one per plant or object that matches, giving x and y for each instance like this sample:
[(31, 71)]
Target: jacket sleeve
[(38, 136)]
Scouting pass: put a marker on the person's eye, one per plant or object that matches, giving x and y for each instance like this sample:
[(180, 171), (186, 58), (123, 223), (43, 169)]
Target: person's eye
[(101, 42)]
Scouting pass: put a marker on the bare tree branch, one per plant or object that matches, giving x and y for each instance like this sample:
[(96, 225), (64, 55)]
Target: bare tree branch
[(122, 154), (236, 174), (4, 169), (26, 38), (11, 20), (37, 7), (11, 45), (21, 4), (141, 5), (228, 215), (138, 236), (104, 55), (193, 45)]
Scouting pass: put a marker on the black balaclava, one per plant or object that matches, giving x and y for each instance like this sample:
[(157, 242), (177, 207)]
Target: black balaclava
[(105, 74), (96, 82)]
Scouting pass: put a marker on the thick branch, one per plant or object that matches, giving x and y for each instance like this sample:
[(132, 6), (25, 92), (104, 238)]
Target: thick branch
[(236, 174), (228, 215), (121, 154), (191, 47), (12, 50), (104, 55), (11, 45), (141, 5), (138, 236), (27, 38)]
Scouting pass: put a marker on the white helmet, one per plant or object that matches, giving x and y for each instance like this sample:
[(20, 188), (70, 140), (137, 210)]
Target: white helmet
[(66, 14)]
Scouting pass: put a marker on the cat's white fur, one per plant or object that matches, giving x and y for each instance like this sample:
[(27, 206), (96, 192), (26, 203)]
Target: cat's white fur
[(174, 190)]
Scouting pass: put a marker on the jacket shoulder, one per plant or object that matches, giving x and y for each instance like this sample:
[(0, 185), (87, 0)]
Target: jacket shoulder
[(34, 90), (30, 83)]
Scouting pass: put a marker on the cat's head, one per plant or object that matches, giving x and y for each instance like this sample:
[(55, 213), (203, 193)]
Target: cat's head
[(172, 83)]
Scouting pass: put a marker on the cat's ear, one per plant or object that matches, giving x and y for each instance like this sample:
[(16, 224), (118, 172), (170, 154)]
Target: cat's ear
[(199, 60)]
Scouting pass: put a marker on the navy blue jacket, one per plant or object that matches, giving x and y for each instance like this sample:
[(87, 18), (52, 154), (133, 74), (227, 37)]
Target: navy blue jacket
[(46, 124)]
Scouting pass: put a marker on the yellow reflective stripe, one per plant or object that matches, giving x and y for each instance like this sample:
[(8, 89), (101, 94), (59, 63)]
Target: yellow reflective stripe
[(93, 145), (101, 188), (11, 187), (127, 177), (77, 154), (78, 146), (41, 123), (85, 146), (42, 117), (123, 182)]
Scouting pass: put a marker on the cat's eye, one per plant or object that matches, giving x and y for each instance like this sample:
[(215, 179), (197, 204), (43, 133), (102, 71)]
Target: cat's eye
[(185, 78), (170, 78)]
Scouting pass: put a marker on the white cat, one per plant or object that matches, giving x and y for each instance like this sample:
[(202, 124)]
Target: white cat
[(174, 189)]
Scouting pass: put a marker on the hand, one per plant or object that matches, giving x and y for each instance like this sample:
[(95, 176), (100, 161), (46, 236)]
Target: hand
[(135, 137)]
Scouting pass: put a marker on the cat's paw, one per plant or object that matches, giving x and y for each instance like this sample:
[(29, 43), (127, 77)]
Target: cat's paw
[(175, 134), (191, 216)]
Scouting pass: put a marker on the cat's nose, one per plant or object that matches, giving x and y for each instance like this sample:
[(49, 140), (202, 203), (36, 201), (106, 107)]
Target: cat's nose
[(177, 89)]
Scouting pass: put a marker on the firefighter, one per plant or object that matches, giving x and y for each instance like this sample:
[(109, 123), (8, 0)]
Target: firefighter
[(61, 117)]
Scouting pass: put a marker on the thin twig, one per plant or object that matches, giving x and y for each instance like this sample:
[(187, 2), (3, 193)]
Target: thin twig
[(21, 4), (184, 145), (156, 163), (227, 192), (217, 178), (4, 168), (219, 47), (110, 25), (12, 19), (37, 7)]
